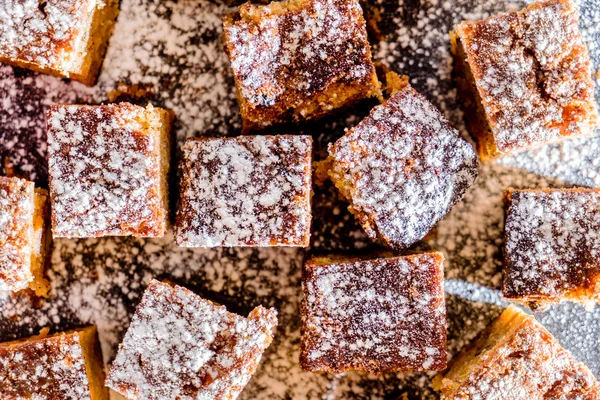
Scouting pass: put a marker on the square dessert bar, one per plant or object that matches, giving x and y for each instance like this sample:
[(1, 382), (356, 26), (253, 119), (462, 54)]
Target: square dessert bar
[(67, 38), (380, 315), (516, 358), (402, 168), (66, 366), (525, 78), (180, 346), (552, 246), (24, 236), (298, 59), (108, 168), (245, 191)]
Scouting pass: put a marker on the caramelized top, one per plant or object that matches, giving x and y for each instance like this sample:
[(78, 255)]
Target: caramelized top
[(533, 74), (16, 233), (285, 53), (46, 369), (377, 315), (180, 346), (552, 243), (245, 191), (104, 168), (46, 32), (402, 168)]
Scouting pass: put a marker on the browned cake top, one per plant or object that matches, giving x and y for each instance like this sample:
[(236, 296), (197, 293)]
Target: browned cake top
[(402, 168), (284, 54), (530, 364), (377, 315), (180, 346), (45, 32), (552, 243), (104, 169), (533, 73), (245, 191), (45, 369), (16, 233)]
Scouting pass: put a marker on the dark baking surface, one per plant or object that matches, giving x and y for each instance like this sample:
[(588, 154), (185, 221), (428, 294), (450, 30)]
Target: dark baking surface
[(171, 53)]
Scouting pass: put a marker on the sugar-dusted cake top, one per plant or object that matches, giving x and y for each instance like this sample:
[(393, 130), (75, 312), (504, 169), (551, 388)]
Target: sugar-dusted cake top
[(46, 368), (285, 53), (16, 233), (180, 346), (552, 244), (533, 74), (45, 32), (105, 171), (402, 168), (245, 191), (379, 315)]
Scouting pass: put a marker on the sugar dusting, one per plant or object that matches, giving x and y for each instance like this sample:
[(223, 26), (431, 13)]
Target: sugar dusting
[(101, 280)]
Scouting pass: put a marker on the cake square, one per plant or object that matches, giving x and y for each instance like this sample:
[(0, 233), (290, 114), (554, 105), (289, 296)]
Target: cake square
[(180, 346), (245, 191), (516, 358), (24, 236), (402, 168), (552, 246), (379, 315), (108, 168), (298, 60), (66, 38), (66, 366), (525, 78)]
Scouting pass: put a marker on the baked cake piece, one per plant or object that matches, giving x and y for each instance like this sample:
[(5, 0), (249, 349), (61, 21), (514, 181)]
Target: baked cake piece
[(24, 236), (180, 346), (402, 168), (108, 168), (298, 59), (516, 358), (66, 366), (66, 38), (380, 315), (245, 191), (524, 78), (552, 246)]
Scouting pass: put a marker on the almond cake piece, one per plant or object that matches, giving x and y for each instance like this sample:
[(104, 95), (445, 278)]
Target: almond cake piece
[(108, 170), (298, 60), (373, 315), (65, 366), (245, 191), (552, 246), (180, 346), (525, 78), (402, 168), (66, 38), (516, 358), (24, 236)]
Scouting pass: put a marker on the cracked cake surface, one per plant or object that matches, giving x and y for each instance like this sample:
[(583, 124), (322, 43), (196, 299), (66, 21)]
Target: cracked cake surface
[(180, 346), (298, 60), (379, 315), (530, 74)]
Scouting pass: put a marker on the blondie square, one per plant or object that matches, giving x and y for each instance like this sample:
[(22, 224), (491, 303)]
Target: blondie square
[(66, 366), (108, 168), (525, 78), (552, 246), (402, 168), (180, 346), (66, 38), (298, 59), (24, 236), (245, 191), (380, 315), (516, 358)]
